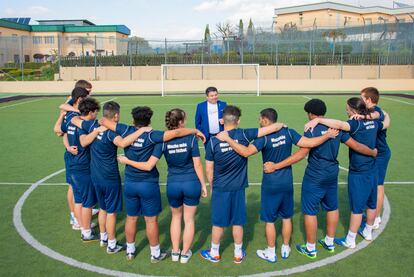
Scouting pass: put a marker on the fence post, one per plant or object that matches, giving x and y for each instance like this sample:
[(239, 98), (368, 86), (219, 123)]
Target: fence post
[(379, 66), (165, 51), (202, 59), (310, 59), (94, 61), (21, 58), (228, 50), (130, 58), (277, 59), (59, 37), (342, 61), (242, 55)]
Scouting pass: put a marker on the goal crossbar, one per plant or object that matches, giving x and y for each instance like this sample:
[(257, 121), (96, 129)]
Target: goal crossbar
[(255, 65)]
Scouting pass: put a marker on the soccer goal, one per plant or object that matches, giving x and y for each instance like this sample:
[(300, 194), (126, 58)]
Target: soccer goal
[(178, 78)]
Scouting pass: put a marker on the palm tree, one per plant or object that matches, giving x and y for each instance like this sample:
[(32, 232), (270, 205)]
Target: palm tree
[(334, 35), (82, 41)]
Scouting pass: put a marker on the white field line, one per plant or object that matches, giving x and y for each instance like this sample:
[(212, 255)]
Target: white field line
[(21, 103), (112, 99), (333, 259), (164, 184), (344, 168), (306, 97), (396, 100), (21, 229), (192, 104)]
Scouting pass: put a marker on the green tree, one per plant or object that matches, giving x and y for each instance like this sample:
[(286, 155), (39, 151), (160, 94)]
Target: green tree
[(241, 29), (207, 36), (334, 35)]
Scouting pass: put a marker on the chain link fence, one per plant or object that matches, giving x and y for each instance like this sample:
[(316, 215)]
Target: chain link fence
[(25, 58)]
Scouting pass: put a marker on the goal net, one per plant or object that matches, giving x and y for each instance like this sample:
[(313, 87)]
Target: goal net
[(195, 78)]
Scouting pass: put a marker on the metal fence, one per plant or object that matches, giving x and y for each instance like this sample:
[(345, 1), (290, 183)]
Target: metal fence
[(381, 44)]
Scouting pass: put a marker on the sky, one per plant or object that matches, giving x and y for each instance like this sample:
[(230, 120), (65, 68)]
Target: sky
[(154, 19)]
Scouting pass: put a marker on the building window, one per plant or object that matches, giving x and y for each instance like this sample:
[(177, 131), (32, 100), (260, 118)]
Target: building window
[(37, 40), (49, 40)]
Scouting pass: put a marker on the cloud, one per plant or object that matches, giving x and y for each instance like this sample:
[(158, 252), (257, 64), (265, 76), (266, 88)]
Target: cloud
[(262, 11), (171, 32)]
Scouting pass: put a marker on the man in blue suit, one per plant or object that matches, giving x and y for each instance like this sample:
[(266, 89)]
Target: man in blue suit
[(208, 118)]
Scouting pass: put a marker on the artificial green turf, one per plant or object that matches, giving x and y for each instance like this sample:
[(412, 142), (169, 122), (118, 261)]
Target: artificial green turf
[(31, 151)]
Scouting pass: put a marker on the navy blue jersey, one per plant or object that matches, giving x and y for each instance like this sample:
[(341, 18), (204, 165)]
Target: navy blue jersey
[(71, 102), (81, 161), (323, 166), (365, 132), (147, 145), (179, 155), (382, 145), (104, 165), (230, 169), (275, 148)]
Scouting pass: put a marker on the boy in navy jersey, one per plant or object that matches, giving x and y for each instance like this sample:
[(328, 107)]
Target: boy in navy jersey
[(64, 108), (142, 192), (185, 183), (320, 182), (76, 96), (277, 187), (227, 174), (370, 96), (362, 177), (104, 171), (79, 166)]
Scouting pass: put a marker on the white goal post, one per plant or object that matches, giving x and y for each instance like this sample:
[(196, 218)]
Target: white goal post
[(241, 67)]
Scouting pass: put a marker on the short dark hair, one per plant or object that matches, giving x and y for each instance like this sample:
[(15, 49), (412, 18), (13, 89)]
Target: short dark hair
[(142, 116), (231, 114), (371, 93), (88, 105), (79, 92), (83, 84), (270, 114), (316, 107), (110, 109), (210, 89)]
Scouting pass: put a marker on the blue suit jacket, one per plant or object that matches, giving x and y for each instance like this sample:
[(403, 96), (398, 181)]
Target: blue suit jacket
[(201, 117)]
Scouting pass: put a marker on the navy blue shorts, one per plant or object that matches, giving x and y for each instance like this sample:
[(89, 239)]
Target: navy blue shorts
[(314, 195), (362, 192), (109, 194), (67, 172), (274, 205), (83, 190), (228, 208), (382, 165), (187, 193), (142, 198)]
